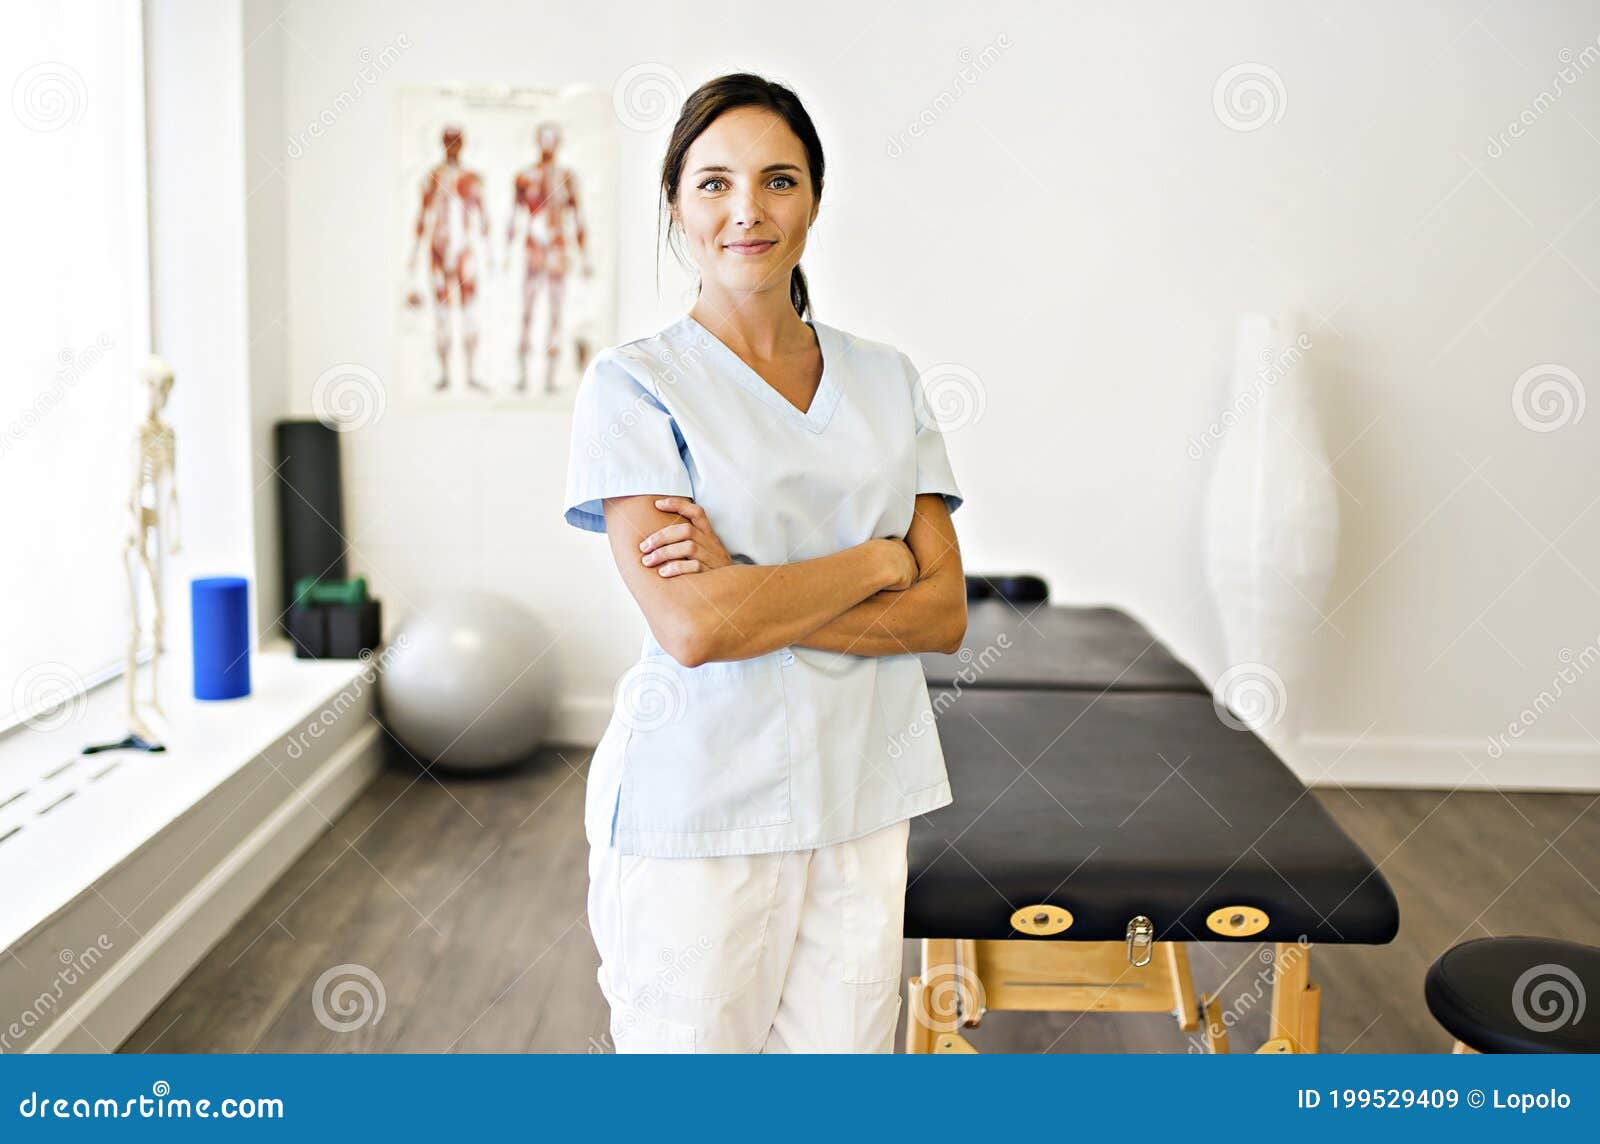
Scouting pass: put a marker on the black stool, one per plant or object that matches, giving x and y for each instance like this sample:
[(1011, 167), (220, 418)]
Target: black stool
[(1517, 995), (1019, 589)]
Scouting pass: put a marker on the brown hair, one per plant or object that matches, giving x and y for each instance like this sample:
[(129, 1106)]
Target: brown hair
[(725, 93)]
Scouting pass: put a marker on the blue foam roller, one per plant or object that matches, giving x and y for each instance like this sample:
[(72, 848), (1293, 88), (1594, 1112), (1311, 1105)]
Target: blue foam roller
[(221, 615)]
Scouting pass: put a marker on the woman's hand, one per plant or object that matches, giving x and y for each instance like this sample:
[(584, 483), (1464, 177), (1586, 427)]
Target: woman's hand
[(681, 548), (903, 563)]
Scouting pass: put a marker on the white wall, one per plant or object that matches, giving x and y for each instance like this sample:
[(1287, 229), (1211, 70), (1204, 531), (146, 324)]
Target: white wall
[(266, 209), (1080, 229), (194, 92)]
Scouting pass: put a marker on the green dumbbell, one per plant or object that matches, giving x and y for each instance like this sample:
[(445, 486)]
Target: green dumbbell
[(309, 591)]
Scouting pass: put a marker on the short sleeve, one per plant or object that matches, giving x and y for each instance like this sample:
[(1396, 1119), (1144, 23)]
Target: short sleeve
[(624, 443), (934, 474)]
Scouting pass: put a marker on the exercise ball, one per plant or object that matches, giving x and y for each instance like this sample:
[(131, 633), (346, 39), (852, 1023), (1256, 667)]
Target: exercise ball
[(466, 682)]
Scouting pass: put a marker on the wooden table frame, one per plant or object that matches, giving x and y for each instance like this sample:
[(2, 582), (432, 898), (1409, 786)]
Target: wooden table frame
[(962, 978)]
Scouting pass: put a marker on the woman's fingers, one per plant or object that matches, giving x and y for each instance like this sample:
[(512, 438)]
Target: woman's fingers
[(666, 536), (680, 567), (682, 550), (683, 506)]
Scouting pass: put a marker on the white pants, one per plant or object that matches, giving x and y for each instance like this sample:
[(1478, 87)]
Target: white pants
[(798, 951)]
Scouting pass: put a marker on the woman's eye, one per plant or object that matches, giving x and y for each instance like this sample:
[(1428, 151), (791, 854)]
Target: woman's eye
[(786, 179), (707, 184)]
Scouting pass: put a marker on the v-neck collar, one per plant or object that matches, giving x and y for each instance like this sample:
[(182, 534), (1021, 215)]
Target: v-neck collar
[(823, 402)]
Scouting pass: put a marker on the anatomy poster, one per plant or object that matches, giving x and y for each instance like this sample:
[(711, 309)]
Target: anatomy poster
[(505, 227)]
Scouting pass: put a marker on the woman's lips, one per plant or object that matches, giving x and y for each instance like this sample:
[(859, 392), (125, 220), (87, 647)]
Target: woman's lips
[(750, 248)]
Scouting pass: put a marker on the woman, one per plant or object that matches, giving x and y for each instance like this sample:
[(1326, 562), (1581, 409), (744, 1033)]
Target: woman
[(781, 514)]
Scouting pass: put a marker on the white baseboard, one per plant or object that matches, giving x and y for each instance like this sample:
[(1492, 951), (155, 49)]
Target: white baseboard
[(580, 721), (135, 983), (1444, 764)]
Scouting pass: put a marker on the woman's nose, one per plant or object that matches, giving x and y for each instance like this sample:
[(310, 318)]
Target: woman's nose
[(747, 210)]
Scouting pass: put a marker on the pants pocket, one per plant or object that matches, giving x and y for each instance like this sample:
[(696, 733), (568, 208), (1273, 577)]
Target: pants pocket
[(634, 1029), (874, 903), (696, 929)]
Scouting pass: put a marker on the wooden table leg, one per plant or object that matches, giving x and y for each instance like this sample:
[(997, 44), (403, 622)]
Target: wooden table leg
[(1296, 1000)]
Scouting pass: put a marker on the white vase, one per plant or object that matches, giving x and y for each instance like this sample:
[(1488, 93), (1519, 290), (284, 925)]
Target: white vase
[(1272, 528)]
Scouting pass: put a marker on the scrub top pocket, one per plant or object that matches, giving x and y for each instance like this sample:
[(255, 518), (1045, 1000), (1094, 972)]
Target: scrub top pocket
[(708, 748)]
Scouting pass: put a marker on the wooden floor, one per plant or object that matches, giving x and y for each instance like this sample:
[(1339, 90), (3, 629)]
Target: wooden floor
[(465, 898)]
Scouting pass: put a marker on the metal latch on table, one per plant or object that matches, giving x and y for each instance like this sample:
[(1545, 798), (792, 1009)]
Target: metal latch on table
[(1141, 940)]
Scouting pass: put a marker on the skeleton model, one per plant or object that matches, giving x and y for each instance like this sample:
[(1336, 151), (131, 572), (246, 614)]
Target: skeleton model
[(154, 490), (546, 200), (451, 210)]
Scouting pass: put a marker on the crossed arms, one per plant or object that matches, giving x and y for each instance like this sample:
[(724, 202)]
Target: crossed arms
[(882, 597)]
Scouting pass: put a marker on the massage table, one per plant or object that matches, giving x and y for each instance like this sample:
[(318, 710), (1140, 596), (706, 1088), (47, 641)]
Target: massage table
[(1104, 816)]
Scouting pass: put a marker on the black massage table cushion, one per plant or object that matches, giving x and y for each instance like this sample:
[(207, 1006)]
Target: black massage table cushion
[(1059, 648), (1132, 804)]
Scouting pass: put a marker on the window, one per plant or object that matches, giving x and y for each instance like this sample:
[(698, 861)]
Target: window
[(75, 295)]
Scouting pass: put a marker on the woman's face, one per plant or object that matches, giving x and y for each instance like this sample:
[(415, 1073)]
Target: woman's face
[(745, 202)]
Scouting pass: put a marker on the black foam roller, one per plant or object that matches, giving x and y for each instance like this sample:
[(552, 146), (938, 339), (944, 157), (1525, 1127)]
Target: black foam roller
[(310, 504)]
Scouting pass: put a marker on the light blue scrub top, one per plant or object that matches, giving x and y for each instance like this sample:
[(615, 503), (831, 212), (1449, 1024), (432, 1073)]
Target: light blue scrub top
[(797, 748)]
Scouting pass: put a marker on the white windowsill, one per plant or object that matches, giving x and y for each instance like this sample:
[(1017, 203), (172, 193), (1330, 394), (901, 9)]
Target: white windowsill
[(57, 855)]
